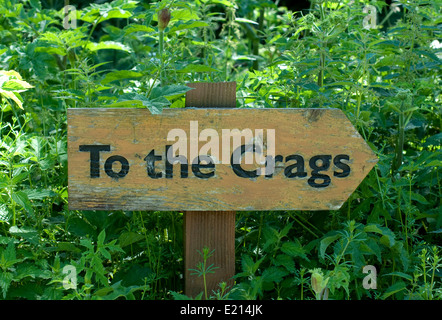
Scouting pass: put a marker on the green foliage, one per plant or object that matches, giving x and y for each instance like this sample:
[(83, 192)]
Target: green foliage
[(386, 80)]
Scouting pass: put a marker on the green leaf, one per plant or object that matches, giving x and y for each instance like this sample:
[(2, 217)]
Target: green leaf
[(339, 278), (137, 28), (169, 91), (400, 274), (39, 194), (188, 25), (155, 106), (103, 12), (311, 86), (107, 45), (434, 140), (30, 269), (190, 68), (184, 15), (22, 200), (384, 231), (5, 282), (274, 274), (395, 288), (243, 20), (226, 3), (325, 242), (419, 198), (179, 296), (13, 96), (80, 228), (120, 75), (87, 243), (27, 233), (101, 238), (430, 55), (249, 267), (105, 253), (285, 261), (16, 85), (371, 245), (339, 83), (128, 238), (67, 246), (8, 256), (293, 249)]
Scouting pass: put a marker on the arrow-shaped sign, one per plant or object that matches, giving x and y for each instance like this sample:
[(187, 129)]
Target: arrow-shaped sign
[(214, 159)]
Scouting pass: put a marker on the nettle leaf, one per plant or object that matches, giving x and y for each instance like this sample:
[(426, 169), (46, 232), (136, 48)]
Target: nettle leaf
[(325, 242), (155, 106), (419, 198), (128, 238), (339, 278), (393, 289), (107, 45), (286, 261), (101, 238), (80, 227), (26, 233), (137, 28), (274, 274), (120, 75), (8, 257), (371, 246), (271, 237), (156, 101), (400, 274), (87, 243), (184, 15), (22, 200), (249, 267), (188, 25), (384, 231), (5, 281), (102, 12), (293, 249), (190, 68), (105, 253), (169, 91)]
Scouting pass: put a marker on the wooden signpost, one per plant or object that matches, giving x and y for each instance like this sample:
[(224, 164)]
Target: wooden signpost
[(212, 162)]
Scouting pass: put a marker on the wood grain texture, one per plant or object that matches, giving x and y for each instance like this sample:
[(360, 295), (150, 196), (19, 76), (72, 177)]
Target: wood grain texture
[(134, 133), (216, 231), (212, 229)]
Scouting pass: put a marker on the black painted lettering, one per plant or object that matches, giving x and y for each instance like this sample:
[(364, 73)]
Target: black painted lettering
[(271, 164), (124, 167), (150, 159), (325, 164), (298, 165), (235, 162), (343, 166), (169, 164), (197, 165), (94, 157)]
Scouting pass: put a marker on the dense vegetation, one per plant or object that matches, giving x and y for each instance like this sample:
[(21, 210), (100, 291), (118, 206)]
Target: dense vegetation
[(385, 75)]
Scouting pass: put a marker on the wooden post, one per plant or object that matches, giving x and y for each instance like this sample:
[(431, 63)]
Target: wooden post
[(212, 229)]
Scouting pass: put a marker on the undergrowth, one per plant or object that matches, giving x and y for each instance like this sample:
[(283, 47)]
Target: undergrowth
[(386, 79)]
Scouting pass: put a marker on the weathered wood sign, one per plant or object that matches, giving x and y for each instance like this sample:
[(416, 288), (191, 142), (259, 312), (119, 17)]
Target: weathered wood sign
[(214, 159)]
